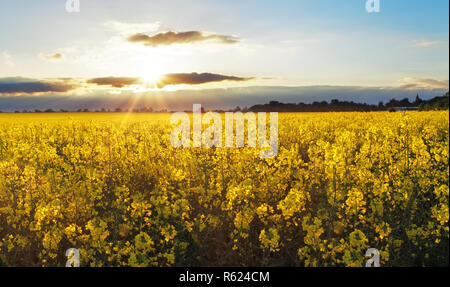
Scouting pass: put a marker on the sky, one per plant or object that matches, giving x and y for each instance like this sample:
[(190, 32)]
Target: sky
[(221, 53)]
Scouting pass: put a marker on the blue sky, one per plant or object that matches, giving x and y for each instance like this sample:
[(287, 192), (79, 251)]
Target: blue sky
[(280, 43)]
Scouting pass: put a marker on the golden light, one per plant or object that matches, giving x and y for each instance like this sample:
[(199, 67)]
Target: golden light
[(151, 78), (149, 74)]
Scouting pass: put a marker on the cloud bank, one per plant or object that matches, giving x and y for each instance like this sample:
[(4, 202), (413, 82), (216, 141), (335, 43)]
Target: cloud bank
[(21, 86), (212, 98)]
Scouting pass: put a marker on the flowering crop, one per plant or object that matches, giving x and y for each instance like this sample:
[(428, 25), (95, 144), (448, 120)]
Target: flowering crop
[(113, 186)]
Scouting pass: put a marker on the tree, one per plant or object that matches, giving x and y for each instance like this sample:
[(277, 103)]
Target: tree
[(436, 103)]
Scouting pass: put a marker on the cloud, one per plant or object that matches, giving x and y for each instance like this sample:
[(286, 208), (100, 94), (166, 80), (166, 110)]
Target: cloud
[(132, 28), (195, 79), (19, 85), (411, 83), (170, 38), (116, 82), (7, 58), (53, 56), (426, 44)]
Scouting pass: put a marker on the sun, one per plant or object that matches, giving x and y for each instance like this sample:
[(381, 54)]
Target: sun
[(151, 77), (150, 82)]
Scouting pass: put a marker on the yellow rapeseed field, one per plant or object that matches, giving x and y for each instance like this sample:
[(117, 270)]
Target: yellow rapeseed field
[(112, 186)]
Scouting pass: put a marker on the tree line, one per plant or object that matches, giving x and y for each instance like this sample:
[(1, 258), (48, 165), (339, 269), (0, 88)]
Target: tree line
[(437, 103)]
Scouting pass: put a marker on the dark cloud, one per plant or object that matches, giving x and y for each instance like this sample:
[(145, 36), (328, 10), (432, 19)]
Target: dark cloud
[(196, 79), (169, 38), (32, 86), (116, 82)]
